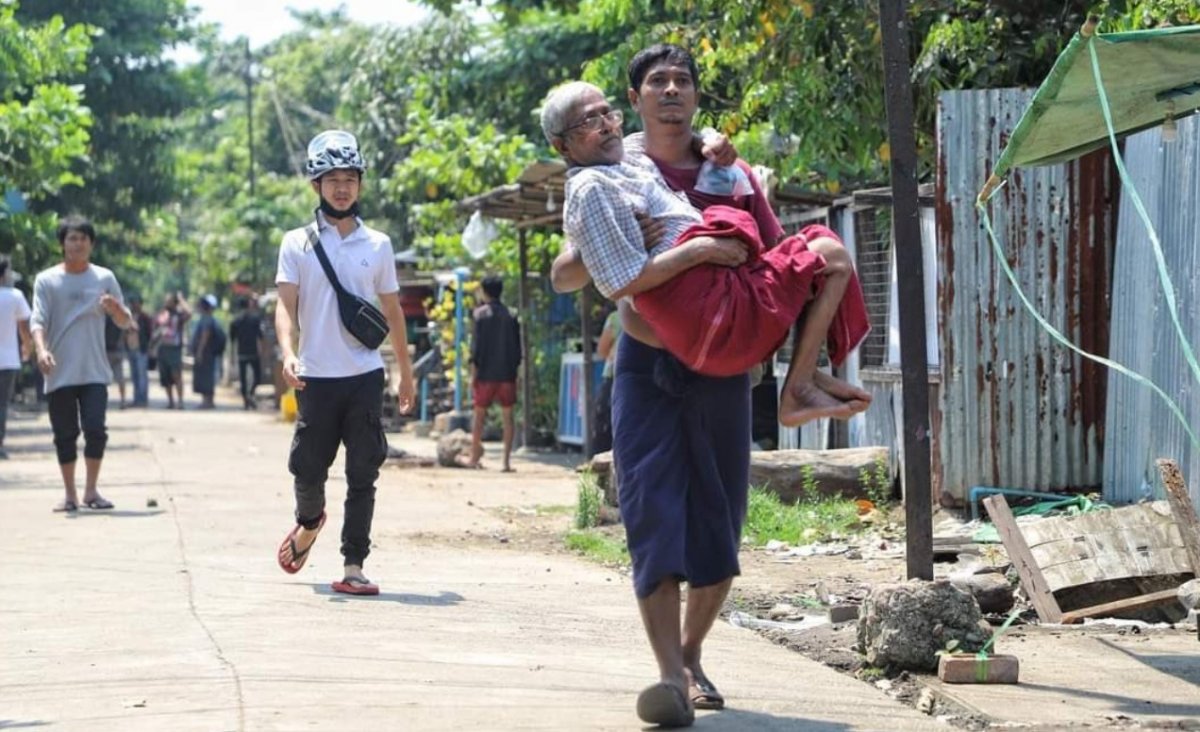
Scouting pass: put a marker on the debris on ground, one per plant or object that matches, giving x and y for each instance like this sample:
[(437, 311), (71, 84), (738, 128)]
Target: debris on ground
[(904, 626)]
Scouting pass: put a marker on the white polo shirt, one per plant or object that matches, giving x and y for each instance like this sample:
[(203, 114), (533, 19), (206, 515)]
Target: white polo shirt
[(13, 310), (365, 265)]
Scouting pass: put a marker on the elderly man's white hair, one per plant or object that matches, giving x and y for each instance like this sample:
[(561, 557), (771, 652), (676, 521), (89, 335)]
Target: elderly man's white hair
[(559, 103)]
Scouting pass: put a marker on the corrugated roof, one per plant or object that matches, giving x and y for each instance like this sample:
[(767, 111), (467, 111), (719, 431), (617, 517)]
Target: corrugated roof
[(535, 200)]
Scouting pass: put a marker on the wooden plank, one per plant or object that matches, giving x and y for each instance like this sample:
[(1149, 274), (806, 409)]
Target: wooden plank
[(1183, 510), (1018, 553), (1130, 603), (1157, 513), (1072, 574)]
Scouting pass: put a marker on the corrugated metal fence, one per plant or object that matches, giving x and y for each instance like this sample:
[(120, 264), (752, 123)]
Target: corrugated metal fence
[(1140, 428), (1018, 410)]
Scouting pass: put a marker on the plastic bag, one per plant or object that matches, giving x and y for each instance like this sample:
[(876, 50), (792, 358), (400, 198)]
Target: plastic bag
[(723, 180), (478, 235)]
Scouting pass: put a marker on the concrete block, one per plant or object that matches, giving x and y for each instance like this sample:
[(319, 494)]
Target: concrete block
[(843, 613), (966, 668)]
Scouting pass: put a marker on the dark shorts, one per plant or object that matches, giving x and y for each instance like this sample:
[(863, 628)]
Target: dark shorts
[(681, 448), (485, 393), (74, 409)]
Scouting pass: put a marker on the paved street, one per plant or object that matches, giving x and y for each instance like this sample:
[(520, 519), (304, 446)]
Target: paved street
[(177, 617)]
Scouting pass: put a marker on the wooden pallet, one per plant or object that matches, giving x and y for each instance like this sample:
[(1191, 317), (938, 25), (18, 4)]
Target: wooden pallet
[(1146, 540)]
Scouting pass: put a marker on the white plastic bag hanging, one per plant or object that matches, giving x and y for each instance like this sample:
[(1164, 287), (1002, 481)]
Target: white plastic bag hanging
[(723, 180), (478, 235)]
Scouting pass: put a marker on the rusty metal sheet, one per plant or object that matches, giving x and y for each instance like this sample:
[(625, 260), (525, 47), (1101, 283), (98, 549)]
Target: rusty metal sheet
[(1018, 410)]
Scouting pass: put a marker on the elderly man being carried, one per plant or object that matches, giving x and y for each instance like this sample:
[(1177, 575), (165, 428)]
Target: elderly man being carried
[(712, 294)]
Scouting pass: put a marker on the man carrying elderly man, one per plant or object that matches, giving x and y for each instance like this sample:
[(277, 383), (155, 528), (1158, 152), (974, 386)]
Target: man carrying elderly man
[(702, 299)]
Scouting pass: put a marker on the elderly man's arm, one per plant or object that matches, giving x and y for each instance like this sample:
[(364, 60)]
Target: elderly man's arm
[(568, 273), (608, 238), (665, 266)]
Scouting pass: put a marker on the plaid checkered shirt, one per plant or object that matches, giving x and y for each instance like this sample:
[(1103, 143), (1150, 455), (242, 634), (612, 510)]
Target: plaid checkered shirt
[(599, 219)]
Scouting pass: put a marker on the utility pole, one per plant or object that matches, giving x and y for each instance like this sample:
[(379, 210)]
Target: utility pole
[(249, 78), (910, 277)]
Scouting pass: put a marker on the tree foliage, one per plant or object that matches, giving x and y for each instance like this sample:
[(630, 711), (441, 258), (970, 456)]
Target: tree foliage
[(43, 123)]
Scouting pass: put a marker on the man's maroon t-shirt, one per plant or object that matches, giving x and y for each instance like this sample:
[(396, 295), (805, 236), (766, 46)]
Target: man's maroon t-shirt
[(756, 204)]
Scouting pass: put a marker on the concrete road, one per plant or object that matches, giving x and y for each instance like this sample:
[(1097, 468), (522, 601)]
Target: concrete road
[(177, 617)]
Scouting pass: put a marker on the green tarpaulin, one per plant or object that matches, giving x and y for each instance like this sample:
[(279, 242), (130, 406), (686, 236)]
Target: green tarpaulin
[(1148, 76)]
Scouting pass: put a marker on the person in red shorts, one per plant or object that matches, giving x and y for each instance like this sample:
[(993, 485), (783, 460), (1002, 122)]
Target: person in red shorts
[(495, 356)]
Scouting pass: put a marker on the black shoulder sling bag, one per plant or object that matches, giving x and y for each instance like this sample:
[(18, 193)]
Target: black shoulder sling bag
[(364, 321)]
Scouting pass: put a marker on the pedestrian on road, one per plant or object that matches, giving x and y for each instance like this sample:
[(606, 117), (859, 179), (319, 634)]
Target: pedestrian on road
[(208, 344), (138, 344), (70, 303), (167, 347), (338, 374), (246, 331), (681, 440), (606, 349), (495, 356), (114, 349), (14, 322)]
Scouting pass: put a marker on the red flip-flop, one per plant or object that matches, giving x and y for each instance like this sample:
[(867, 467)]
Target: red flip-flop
[(298, 558), (356, 586)]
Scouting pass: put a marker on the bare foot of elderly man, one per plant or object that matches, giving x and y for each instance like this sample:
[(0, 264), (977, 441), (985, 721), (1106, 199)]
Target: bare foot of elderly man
[(843, 390), (804, 402)]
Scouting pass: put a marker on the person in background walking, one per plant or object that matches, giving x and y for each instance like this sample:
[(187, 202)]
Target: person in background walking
[(137, 343), (495, 356), (208, 343), (246, 330), (168, 346), (114, 349), (14, 321), (70, 304), (607, 350)]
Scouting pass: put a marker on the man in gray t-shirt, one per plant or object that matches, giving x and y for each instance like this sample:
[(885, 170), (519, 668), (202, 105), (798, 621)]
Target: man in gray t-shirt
[(70, 302)]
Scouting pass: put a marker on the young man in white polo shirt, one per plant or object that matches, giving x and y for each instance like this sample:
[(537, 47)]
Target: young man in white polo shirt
[(338, 381), (14, 320)]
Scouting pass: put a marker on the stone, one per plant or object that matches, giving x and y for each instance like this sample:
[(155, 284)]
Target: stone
[(1189, 594), (452, 445), (843, 613), (991, 590), (903, 626), (954, 668), (601, 466), (836, 472)]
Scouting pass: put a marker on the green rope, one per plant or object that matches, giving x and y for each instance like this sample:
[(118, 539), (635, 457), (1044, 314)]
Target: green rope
[(1054, 333), (1163, 276)]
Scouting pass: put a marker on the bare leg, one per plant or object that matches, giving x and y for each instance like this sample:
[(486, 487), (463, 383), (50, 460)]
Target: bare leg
[(660, 616), (509, 428), (703, 606), (802, 400), (477, 437), (68, 476)]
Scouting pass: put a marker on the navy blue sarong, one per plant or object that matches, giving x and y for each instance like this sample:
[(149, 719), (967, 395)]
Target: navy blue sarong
[(681, 449)]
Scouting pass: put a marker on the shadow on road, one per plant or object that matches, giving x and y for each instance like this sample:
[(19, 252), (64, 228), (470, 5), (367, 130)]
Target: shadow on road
[(114, 512), (442, 599)]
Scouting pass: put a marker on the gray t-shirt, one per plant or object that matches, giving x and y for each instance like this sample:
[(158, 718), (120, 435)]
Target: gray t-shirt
[(67, 307)]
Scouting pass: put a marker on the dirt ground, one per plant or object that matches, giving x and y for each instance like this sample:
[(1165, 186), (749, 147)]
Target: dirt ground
[(775, 588)]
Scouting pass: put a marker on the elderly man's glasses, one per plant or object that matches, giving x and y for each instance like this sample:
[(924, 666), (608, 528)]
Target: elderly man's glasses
[(594, 122)]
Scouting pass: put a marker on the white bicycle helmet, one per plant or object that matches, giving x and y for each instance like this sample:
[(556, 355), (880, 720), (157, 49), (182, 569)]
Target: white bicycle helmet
[(333, 150)]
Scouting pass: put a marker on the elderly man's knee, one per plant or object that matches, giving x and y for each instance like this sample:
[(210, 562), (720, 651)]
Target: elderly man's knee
[(837, 259)]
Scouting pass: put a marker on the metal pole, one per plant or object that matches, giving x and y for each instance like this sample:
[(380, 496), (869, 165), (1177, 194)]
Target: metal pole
[(526, 323), (458, 340), (589, 406), (249, 78), (918, 499)]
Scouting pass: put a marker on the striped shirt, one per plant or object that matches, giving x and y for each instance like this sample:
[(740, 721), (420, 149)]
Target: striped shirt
[(599, 219)]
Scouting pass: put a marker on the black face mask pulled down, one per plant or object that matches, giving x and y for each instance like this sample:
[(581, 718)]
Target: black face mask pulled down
[(332, 213)]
